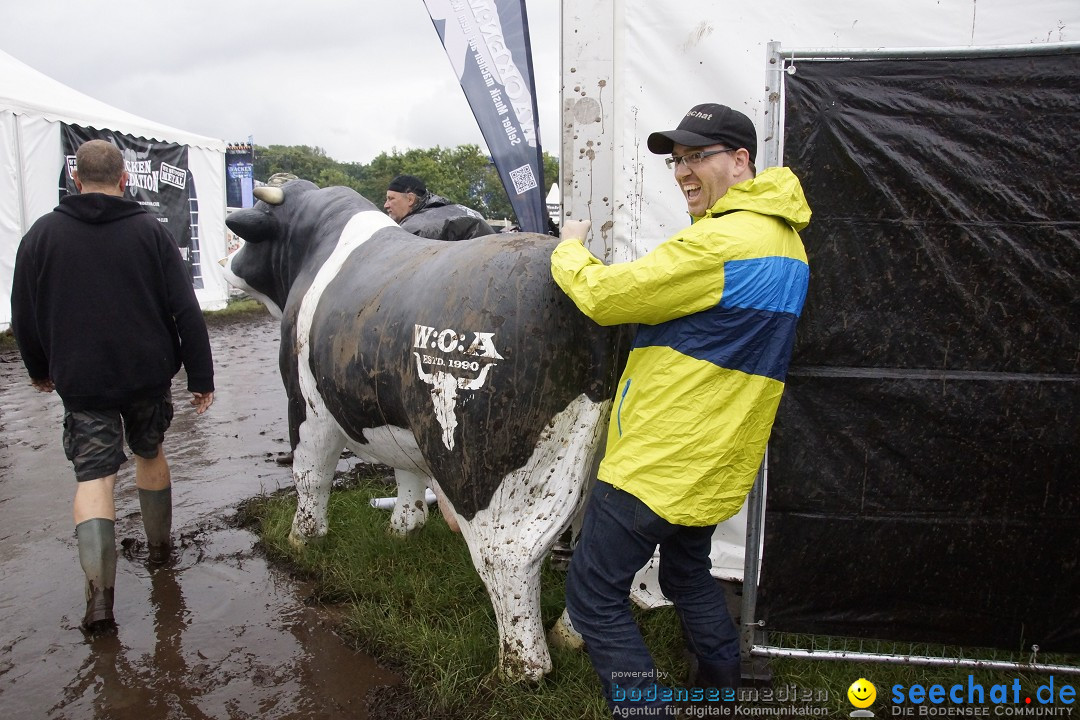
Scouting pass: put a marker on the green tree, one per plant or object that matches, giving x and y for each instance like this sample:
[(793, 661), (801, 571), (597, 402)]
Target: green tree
[(455, 173), (300, 160), (463, 174)]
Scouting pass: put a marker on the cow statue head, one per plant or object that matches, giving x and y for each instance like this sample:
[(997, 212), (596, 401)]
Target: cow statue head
[(281, 232)]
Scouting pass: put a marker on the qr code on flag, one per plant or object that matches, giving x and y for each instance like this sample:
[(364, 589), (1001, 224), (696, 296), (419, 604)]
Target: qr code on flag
[(523, 178)]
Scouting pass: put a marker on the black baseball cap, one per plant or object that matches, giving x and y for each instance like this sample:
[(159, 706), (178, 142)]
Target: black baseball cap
[(406, 184), (708, 124)]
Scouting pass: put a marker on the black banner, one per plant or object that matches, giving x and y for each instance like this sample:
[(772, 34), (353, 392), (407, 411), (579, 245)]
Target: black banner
[(487, 42), (923, 480), (158, 179), (239, 175)]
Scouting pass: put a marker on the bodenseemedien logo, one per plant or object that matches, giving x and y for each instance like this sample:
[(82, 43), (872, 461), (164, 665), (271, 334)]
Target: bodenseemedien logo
[(862, 694)]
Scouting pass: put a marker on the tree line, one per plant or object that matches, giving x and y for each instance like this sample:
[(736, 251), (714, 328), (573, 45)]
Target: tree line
[(463, 174)]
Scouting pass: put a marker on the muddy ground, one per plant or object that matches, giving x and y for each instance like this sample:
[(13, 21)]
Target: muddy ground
[(220, 634)]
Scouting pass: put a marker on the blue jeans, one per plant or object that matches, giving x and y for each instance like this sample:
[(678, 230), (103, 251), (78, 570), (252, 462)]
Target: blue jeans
[(618, 536)]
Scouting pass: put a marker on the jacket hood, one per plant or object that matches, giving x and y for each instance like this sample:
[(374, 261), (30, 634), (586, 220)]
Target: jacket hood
[(432, 201), (98, 207), (775, 191)]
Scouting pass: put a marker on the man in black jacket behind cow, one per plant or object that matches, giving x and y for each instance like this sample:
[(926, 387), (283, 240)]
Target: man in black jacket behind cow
[(423, 213), (104, 313)]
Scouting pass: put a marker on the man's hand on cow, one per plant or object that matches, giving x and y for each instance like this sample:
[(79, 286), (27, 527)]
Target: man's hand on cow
[(45, 385), (575, 229), (202, 401)]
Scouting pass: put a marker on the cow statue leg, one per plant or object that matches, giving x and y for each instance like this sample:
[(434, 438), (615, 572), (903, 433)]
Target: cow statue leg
[(314, 460), (410, 510), (509, 539)]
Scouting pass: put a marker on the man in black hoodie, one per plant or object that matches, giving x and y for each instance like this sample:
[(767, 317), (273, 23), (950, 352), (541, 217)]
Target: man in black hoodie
[(104, 313)]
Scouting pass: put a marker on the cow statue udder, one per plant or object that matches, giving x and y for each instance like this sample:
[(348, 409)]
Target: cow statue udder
[(459, 364)]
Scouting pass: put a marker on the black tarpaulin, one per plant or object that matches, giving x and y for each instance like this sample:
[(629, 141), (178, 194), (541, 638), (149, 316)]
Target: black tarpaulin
[(158, 179), (924, 471)]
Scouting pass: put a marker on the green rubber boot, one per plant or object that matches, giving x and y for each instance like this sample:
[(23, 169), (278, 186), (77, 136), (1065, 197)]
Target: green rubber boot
[(156, 506), (97, 555)]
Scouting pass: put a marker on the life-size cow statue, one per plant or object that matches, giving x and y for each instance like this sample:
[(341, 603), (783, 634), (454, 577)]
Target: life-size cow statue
[(459, 364)]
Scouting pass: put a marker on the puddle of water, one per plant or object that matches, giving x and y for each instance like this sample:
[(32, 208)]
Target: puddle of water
[(218, 634)]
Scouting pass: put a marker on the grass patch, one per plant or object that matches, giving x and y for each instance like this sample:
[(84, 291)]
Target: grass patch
[(7, 342), (237, 308), (418, 605), (420, 608)]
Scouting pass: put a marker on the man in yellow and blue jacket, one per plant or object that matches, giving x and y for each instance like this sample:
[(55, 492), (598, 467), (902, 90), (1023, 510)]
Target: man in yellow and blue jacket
[(717, 305)]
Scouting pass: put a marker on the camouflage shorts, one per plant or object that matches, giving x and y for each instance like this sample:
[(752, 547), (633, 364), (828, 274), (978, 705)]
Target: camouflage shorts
[(94, 439)]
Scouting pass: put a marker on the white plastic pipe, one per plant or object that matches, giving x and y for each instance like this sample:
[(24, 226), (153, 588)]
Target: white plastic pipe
[(387, 503)]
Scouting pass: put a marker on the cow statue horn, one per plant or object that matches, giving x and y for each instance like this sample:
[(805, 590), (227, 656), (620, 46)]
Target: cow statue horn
[(269, 195)]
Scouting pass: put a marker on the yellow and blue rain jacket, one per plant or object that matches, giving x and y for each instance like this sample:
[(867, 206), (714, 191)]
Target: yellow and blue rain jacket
[(717, 305)]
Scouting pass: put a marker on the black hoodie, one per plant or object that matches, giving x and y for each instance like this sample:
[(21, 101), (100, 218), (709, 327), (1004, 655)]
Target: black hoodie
[(103, 305)]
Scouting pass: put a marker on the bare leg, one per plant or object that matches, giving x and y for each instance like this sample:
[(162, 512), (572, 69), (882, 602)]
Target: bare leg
[(94, 499), (152, 473)]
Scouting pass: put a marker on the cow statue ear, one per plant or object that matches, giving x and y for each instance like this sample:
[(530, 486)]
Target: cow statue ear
[(253, 225)]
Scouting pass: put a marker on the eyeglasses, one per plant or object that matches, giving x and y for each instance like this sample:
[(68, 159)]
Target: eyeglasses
[(692, 159)]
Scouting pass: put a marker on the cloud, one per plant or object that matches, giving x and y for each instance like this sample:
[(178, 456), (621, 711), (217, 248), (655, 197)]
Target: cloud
[(355, 78)]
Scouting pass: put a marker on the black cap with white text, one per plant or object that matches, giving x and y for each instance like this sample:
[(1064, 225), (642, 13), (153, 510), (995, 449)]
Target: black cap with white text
[(708, 124)]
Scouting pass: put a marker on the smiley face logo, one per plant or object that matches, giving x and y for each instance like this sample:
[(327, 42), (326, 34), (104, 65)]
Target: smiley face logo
[(862, 693)]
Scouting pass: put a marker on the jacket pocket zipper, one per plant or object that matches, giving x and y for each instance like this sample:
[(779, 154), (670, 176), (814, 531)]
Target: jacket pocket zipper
[(618, 415)]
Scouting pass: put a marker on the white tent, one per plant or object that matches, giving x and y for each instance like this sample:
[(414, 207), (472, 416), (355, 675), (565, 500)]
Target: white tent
[(33, 107), (554, 202)]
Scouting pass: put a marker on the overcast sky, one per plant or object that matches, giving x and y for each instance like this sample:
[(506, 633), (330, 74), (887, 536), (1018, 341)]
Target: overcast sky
[(355, 77)]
